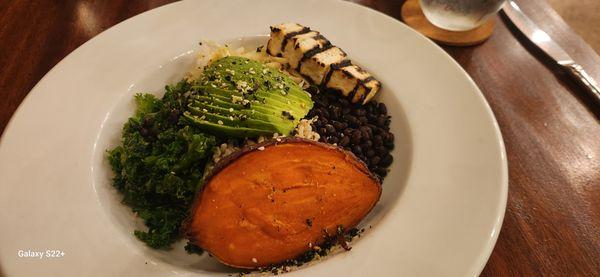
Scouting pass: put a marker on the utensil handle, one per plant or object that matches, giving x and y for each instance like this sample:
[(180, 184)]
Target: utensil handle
[(577, 72)]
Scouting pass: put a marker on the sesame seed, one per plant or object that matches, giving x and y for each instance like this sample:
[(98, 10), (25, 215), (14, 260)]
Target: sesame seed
[(231, 109), (220, 122), (261, 148)]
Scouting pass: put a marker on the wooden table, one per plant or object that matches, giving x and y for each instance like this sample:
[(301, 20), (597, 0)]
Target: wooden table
[(552, 222)]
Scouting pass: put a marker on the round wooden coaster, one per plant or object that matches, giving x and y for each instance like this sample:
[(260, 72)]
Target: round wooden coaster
[(413, 16)]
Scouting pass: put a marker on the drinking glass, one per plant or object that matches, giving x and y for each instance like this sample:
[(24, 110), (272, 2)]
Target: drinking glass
[(459, 15)]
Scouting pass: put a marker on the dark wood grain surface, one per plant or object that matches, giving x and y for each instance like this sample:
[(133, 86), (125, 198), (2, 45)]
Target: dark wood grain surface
[(552, 222)]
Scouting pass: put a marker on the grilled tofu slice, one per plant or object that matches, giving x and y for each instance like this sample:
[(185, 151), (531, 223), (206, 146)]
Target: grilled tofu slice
[(371, 89), (352, 82), (280, 34), (321, 63), (304, 46), (316, 67)]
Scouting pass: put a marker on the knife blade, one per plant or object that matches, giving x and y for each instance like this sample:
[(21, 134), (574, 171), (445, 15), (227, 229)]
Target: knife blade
[(543, 41)]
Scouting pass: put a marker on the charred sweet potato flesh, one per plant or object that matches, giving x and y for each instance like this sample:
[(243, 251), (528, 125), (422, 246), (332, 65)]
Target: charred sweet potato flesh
[(267, 205)]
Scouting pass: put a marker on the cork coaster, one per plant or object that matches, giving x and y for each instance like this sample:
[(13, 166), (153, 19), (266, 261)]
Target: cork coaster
[(413, 16)]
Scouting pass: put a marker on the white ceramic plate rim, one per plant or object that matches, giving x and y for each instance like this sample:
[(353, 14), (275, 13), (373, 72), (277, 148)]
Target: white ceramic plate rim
[(20, 135)]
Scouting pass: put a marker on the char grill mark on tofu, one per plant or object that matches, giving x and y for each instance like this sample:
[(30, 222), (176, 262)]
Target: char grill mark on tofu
[(278, 36), (303, 46), (317, 67)]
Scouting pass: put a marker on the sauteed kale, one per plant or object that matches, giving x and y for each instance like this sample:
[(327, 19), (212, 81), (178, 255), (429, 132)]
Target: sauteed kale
[(160, 163)]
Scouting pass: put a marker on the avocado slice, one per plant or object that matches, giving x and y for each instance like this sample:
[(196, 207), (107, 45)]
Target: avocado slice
[(227, 131), (239, 121), (281, 119), (236, 92)]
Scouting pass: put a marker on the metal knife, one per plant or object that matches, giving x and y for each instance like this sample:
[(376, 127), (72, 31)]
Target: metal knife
[(543, 41)]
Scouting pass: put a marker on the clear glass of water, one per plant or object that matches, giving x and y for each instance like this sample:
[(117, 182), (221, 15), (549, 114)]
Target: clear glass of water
[(459, 15)]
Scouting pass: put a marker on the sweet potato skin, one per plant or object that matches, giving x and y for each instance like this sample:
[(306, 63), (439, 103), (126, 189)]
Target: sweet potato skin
[(262, 207)]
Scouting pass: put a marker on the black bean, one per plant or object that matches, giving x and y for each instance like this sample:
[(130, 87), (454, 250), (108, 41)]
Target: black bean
[(382, 108), (390, 146), (363, 120), (381, 120), (329, 129), (380, 171), (352, 121), (360, 112), (362, 157), (336, 112), (372, 127), (371, 117), (339, 125), (345, 140), (323, 121), (346, 110), (366, 132), (370, 153), (377, 140), (386, 160), (374, 160), (347, 131), (356, 136), (322, 131), (356, 150), (381, 151), (367, 144), (369, 108), (388, 137), (334, 140), (380, 131)]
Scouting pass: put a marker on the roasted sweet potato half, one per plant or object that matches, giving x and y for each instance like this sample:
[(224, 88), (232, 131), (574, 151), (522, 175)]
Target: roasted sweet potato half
[(266, 204)]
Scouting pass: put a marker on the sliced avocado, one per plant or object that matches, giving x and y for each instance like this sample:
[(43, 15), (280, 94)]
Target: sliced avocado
[(235, 92), (260, 94), (280, 119), (237, 121), (228, 131)]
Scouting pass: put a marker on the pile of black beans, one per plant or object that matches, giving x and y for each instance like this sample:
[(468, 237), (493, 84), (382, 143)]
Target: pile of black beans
[(362, 129)]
